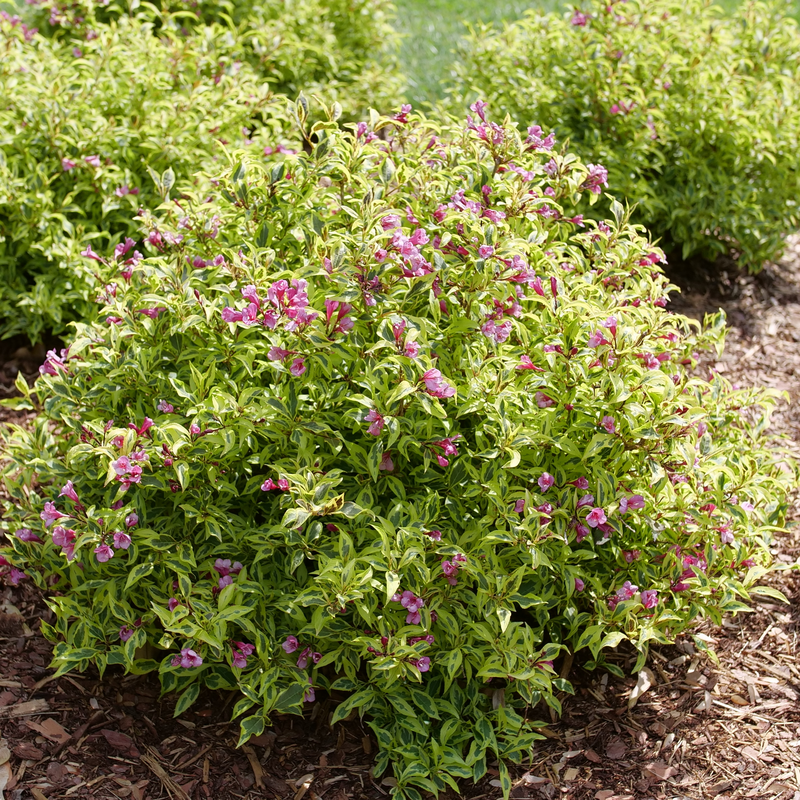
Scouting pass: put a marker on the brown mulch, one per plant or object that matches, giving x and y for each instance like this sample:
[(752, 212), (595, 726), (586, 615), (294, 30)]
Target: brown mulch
[(699, 730)]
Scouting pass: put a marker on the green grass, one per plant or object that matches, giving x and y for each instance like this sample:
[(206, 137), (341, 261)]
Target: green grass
[(432, 28)]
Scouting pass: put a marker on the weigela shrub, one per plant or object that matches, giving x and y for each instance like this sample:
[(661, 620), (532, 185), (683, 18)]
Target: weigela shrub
[(695, 114), (405, 431), (86, 136), (339, 50)]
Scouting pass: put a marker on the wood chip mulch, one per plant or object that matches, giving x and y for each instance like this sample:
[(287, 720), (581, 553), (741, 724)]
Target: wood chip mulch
[(697, 730)]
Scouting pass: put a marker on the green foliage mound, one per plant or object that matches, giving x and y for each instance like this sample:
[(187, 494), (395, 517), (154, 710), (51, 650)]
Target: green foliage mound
[(83, 133), (388, 421), (695, 114), (341, 50)]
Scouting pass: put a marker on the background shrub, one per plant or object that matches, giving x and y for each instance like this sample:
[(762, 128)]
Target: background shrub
[(405, 430), (341, 50), (80, 132), (695, 114)]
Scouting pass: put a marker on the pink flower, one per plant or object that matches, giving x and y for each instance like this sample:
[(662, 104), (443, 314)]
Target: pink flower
[(291, 644), (536, 141), (451, 568), (298, 367), (54, 362), (402, 116), (581, 532), (123, 247), (626, 592), (526, 363), (497, 332), (194, 429), (187, 659), (147, 423), (305, 656), (122, 541), (595, 517), (543, 401), (92, 161), (411, 349), (585, 500), (103, 553), (608, 424), (67, 164), (649, 598), (27, 535), (276, 353), (436, 535), (89, 253), (410, 601), (611, 325), (15, 576), (173, 603), (337, 311), (597, 339), (436, 386), (125, 633), (486, 251), (377, 422), (631, 555), (50, 514), (241, 651), (448, 445), (164, 407), (579, 585), (580, 483), (546, 480), (636, 502), (390, 222), (387, 465), (269, 485), (225, 568), (231, 315), (69, 492), (423, 664), (649, 360), (726, 534), (579, 19), (122, 465), (309, 696), (597, 177), (65, 539), (519, 507)]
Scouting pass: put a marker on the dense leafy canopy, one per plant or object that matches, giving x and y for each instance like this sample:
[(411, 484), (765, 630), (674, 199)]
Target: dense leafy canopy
[(388, 419)]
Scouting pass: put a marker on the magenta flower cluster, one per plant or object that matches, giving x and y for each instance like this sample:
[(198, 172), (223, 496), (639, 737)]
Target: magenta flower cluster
[(451, 568), (226, 571), (187, 659), (412, 604)]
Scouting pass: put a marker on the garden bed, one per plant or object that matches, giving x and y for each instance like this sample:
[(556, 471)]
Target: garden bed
[(702, 730)]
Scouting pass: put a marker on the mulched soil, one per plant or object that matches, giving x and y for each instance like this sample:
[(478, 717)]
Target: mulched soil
[(700, 730)]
